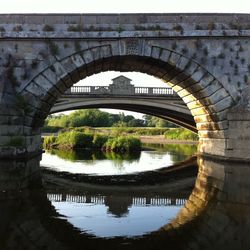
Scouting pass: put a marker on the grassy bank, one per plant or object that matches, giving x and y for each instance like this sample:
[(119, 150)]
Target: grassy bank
[(85, 140), (180, 134)]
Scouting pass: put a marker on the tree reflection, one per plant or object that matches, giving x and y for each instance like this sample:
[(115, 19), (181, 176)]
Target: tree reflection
[(90, 155)]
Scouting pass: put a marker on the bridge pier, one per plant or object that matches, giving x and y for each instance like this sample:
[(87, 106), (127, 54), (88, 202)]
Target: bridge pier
[(236, 144), (18, 139)]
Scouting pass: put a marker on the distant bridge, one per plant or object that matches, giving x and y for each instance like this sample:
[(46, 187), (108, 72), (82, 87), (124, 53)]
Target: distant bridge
[(121, 94)]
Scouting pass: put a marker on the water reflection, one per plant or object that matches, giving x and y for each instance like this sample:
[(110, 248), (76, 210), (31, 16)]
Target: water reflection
[(215, 216), (154, 156), (116, 215)]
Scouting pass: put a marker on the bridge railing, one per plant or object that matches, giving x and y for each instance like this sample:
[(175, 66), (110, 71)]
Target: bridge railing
[(107, 90)]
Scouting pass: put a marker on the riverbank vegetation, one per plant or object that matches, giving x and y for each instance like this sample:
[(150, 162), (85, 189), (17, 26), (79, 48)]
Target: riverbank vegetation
[(97, 118), (180, 134), (92, 128), (82, 140)]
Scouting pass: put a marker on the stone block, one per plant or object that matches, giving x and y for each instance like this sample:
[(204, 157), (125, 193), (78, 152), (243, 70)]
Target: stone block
[(198, 74), (191, 68), (203, 118), (46, 85), (71, 69), (212, 146), (194, 105), (36, 90), (199, 111), (217, 134), (183, 63), (212, 125), (210, 89), (224, 104), (156, 52), (173, 59), (165, 54)]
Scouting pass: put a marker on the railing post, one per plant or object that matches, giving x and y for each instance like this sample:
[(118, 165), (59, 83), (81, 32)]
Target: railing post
[(150, 91), (92, 89)]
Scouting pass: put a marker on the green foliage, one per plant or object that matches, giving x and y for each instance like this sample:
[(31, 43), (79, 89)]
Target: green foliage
[(49, 141), (74, 139), (180, 134), (99, 140), (151, 131), (153, 121), (123, 144), (138, 131), (50, 129), (92, 118)]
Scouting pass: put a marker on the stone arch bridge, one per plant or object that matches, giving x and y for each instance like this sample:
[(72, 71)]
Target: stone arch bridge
[(203, 57)]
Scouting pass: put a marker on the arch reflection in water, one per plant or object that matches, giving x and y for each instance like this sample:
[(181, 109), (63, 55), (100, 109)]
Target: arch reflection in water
[(116, 215), (215, 216)]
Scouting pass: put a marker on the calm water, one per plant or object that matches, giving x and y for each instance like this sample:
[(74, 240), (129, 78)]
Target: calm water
[(41, 210), (116, 215), (156, 156)]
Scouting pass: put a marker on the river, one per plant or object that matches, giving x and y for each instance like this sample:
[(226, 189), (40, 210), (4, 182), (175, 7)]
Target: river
[(178, 203)]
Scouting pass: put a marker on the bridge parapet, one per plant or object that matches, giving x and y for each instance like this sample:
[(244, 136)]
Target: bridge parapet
[(107, 90)]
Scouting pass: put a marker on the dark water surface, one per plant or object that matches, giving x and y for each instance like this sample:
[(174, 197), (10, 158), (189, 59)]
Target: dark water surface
[(207, 210)]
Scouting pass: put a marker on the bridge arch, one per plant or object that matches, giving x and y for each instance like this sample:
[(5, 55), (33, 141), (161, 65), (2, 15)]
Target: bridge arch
[(171, 109), (204, 95)]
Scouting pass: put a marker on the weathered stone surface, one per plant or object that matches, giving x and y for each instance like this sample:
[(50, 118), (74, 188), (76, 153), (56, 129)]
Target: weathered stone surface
[(200, 64)]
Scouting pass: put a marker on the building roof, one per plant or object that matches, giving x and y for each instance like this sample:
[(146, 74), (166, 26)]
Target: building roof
[(121, 76)]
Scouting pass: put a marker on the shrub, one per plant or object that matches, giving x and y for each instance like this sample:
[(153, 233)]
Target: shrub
[(99, 140), (122, 144), (49, 142), (75, 139), (51, 129)]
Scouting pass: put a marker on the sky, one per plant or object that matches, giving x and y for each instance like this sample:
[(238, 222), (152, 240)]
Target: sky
[(125, 6)]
